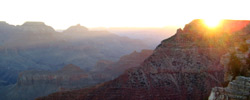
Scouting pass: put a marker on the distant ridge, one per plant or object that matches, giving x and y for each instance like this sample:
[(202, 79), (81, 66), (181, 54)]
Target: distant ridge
[(77, 28), (29, 23)]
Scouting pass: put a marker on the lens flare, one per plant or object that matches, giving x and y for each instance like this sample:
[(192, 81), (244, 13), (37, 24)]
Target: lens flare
[(212, 23)]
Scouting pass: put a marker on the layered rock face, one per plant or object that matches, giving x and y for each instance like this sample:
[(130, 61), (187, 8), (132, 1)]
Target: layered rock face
[(238, 89), (68, 75), (32, 84), (184, 67)]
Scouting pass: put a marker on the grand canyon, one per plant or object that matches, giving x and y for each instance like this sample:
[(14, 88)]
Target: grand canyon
[(124, 50), (185, 66)]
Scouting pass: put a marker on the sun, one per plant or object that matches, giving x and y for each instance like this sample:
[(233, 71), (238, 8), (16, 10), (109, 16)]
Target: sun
[(212, 23)]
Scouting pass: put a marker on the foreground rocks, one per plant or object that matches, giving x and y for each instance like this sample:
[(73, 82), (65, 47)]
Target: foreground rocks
[(235, 63), (238, 89)]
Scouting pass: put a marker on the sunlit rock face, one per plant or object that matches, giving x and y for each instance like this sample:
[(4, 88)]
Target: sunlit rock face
[(185, 66), (229, 26)]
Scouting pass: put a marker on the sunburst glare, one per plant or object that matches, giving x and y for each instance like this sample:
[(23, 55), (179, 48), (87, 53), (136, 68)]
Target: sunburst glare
[(212, 23)]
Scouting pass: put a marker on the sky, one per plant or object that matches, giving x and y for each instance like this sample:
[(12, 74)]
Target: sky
[(61, 14)]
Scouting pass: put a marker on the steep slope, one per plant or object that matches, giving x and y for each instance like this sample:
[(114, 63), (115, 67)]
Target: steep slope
[(109, 70), (184, 67), (129, 61)]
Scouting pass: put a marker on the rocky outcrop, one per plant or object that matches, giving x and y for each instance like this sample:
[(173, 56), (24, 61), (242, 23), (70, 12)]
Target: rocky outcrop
[(185, 66), (236, 63), (238, 89)]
